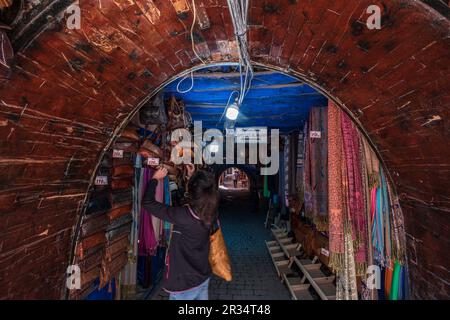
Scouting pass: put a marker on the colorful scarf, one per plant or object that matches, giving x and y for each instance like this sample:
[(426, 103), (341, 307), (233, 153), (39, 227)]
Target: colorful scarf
[(335, 188), (356, 208), (318, 162), (147, 244), (366, 154)]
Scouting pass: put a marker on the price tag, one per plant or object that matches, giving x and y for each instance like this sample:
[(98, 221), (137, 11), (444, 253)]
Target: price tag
[(153, 161), (315, 134), (101, 180), (325, 252), (118, 154)]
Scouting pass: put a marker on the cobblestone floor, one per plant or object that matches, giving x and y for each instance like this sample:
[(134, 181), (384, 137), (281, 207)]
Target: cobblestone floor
[(254, 277)]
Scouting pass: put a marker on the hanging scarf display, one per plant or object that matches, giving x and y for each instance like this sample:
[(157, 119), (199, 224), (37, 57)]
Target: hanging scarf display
[(366, 153), (365, 220), (356, 207), (317, 178), (335, 191), (147, 241)]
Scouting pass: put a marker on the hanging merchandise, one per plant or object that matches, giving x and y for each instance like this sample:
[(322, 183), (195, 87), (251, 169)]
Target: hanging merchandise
[(147, 239), (335, 190), (150, 150), (178, 117), (154, 111), (300, 162), (287, 171), (316, 181), (356, 218), (365, 219)]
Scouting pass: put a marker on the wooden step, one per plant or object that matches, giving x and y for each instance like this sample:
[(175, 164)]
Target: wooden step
[(292, 250), (322, 284), (299, 291)]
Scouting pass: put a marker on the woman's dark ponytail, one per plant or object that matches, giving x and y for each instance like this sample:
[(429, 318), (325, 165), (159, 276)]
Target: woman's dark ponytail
[(204, 196)]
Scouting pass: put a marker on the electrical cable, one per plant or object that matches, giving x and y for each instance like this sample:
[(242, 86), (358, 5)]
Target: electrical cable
[(191, 74), (239, 15)]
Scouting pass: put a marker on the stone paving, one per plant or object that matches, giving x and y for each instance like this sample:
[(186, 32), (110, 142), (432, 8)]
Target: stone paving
[(254, 276)]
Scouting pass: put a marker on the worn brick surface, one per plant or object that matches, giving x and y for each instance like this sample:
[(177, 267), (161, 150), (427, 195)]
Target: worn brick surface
[(72, 90)]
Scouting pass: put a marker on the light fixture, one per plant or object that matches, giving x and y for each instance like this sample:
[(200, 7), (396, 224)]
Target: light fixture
[(232, 111)]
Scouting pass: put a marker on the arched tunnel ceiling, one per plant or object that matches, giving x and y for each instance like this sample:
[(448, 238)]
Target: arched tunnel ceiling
[(72, 90), (275, 100)]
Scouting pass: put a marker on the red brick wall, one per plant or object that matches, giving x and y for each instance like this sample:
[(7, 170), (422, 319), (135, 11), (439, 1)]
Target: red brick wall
[(69, 95)]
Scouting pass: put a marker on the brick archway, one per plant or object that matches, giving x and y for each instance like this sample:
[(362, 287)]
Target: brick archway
[(72, 91)]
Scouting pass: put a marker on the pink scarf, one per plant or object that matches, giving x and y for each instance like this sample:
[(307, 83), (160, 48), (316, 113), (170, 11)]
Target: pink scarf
[(355, 197)]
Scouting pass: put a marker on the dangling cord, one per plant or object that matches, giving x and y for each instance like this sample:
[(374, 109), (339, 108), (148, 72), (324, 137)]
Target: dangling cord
[(191, 74)]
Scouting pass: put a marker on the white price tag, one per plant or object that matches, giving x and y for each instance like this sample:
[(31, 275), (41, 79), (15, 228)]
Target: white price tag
[(101, 180), (153, 161), (117, 154), (315, 134), (325, 252)]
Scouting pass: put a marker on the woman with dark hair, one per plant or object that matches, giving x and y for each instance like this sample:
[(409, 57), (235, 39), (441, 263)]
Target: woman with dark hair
[(187, 265)]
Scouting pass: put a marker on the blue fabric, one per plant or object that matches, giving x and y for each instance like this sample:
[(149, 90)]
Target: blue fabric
[(198, 293), (166, 191), (103, 293)]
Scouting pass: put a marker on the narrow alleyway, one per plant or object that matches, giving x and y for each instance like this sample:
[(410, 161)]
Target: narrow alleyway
[(254, 277)]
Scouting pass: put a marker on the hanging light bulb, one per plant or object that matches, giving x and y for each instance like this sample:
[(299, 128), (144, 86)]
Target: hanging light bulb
[(232, 111)]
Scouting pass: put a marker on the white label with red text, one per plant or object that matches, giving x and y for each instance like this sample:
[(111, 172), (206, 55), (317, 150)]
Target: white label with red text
[(315, 134), (101, 180), (153, 161), (117, 154), (325, 252)]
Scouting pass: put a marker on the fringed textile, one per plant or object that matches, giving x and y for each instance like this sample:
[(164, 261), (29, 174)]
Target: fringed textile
[(346, 287), (367, 294), (335, 190), (318, 159), (356, 209)]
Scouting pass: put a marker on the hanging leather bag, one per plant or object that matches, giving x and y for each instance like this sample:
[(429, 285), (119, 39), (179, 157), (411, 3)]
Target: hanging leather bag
[(176, 114), (154, 111)]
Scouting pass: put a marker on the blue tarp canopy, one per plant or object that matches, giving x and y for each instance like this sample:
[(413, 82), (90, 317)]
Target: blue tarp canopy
[(274, 101)]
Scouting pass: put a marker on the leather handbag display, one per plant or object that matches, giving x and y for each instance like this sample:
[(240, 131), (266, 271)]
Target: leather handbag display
[(116, 232), (90, 242), (127, 135), (176, 114), (98, 202), (116, 213), (154, 111), (94, 259), (117, 247), (150, 150), (123, 171), (94, 223), (121, 183), (121, 196), (127, 146), (218, 256)]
